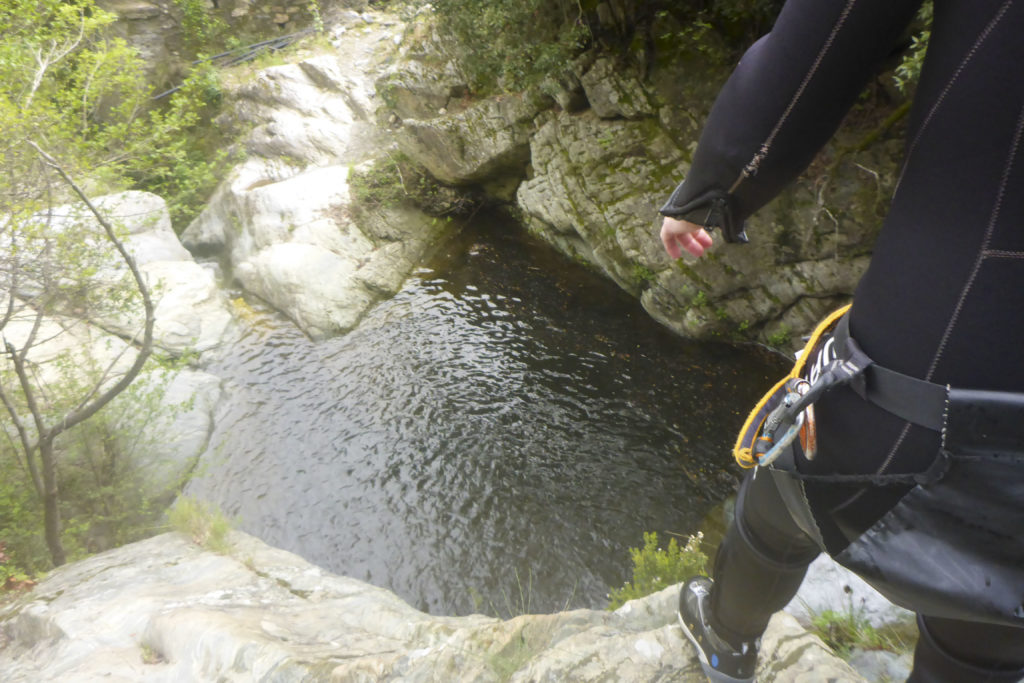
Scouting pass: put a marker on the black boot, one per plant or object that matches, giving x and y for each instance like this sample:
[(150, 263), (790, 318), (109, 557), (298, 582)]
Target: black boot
[(721, 661)]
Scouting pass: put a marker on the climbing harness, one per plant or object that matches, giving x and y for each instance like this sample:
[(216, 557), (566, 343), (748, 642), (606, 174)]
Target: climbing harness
[(787, 403), (953, 546)]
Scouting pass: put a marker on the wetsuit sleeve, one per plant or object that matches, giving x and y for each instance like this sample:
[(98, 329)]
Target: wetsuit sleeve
[(783, 101)]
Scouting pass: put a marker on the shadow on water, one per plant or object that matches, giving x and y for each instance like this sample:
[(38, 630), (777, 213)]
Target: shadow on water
[(494, 438)]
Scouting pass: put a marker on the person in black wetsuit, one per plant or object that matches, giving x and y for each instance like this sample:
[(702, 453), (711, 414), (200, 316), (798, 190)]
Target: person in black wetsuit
[(942, 300)]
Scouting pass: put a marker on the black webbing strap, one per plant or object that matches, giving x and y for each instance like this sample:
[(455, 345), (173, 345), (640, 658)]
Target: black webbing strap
[(985, 420), (914, 400)]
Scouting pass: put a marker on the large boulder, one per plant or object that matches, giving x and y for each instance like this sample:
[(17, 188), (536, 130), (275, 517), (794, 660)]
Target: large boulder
[(191, 312), (829, 586), (284, 219), (614, 90), (298, 245), (165, 610), (486, 142)]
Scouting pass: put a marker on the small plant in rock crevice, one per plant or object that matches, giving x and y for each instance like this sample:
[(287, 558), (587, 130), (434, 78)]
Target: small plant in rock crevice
[(656, 568), (845, 631), (202, 522)]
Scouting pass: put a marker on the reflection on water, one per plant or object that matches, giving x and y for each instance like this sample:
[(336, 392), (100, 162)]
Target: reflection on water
[(493, 438)]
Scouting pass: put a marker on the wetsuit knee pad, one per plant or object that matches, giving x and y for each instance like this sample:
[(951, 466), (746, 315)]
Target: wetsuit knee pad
[(755, 576), (765, 526)]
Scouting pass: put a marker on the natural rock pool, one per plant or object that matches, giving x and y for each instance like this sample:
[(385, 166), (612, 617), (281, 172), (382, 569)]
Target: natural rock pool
[(492, 439)]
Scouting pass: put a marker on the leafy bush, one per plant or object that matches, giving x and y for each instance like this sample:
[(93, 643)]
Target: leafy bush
[(202, 522), (182, 155), (655, 568), (202, 30), (511, 44), (847, 630), (909, 70), (76, 112)]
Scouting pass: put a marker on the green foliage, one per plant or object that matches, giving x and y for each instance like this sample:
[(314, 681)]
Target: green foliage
[(744, 21), (513, 656), (313, 7), (780, 338), (202, 522), (21, 516), (642, 273), (107, 496), (65, 84), (511, 44), (847, 630), (203, 31), (183, 155), (909, 70), (655, 568), (70, 88), (81, 94), (110, 498), (394, 180)]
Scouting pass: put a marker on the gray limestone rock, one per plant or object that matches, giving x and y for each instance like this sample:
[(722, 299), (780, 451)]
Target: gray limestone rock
[(486, 141), (830, 586), (284, 218), (593, 193), (165, 610), (615, 92), (192, 314)]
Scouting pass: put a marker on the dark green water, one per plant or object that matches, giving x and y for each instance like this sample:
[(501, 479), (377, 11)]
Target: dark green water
[(494, 438)]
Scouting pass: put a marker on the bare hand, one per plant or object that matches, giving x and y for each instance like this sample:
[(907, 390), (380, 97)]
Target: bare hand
[(689, 236)]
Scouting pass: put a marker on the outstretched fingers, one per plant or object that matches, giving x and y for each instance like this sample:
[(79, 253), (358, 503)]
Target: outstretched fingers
[(677, 235)]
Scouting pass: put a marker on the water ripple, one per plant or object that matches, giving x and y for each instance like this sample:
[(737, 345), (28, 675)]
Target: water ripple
[(507, 417)]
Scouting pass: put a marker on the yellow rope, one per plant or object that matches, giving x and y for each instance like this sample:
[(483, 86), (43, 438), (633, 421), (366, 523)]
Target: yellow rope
[(744, 453)]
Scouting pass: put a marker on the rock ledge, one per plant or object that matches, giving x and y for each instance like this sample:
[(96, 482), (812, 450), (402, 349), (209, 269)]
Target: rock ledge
[(164, 609)]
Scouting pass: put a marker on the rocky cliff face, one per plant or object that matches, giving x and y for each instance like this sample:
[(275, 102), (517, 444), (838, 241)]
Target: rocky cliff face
[(593, 155)]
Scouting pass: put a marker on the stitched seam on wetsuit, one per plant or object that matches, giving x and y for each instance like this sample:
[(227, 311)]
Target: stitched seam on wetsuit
[(993, 219), (983, 253), (752, 166), (949, 85), (1002, 253)]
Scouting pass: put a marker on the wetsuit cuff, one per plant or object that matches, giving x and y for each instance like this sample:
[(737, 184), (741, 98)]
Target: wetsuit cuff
[(711, 208)]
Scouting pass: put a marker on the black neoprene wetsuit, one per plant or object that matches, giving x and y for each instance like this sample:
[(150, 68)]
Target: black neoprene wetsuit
[(943, 297)]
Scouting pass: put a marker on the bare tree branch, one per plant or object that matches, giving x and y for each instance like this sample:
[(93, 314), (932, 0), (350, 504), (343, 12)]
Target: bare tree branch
[(85, 412), (53, 55), (26, 442)]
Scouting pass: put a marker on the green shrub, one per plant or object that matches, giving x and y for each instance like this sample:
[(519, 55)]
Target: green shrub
[(844, 631), (909, 70), (655, 568), (202, 30), (202, 522), (107, 498), (781, 338), (180, 154), (395, 179), (511, 44)]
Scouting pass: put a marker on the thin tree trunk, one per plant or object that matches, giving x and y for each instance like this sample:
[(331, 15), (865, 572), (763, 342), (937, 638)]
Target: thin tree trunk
[(51, 502)]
